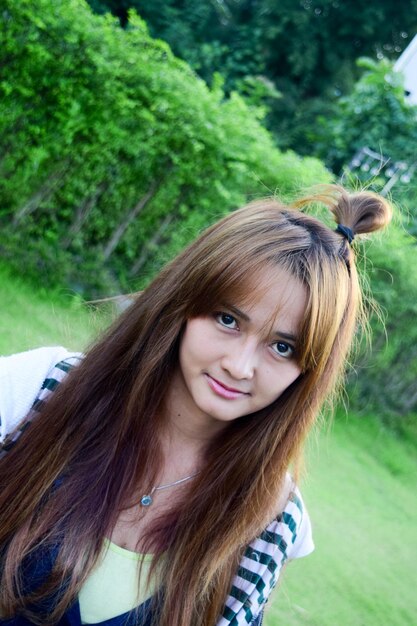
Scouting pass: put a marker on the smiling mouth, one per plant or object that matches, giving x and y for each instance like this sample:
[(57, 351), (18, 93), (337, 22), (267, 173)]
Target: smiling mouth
[(223, 390)]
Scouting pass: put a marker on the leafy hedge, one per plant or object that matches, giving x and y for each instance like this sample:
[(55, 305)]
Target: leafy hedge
[(384, 378), (113, 154), (112, 150)]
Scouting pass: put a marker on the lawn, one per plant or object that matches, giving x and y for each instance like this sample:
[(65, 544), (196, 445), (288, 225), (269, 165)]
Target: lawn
[(31, 319), (361, 494), (360, 488)]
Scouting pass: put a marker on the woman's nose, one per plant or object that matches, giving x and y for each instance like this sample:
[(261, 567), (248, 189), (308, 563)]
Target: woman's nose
[(240, 361)]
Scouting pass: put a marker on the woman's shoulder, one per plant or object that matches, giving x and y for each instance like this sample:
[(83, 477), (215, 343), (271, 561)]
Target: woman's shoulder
[(287, 537), (293, 521), (296, 515), (21, 378)]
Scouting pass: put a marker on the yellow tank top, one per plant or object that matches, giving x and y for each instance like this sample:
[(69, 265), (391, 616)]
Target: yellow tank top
[(113, 588)]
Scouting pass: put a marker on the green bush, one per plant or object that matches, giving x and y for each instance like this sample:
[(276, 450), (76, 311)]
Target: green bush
[(384, 378), (112, 150), (114, 154)]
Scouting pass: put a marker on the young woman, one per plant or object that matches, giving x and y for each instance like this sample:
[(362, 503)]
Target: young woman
[(151, 485)]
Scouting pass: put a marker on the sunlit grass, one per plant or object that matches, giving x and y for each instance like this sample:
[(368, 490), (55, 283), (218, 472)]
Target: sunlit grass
[(360, 490), (362, 497), (31, 318)]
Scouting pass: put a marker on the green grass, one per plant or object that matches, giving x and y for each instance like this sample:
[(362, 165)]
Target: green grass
[(360, 490), (30, 319), (361, 495)]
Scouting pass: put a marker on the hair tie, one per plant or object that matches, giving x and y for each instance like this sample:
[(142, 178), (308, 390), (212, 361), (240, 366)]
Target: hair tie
[(346, 232)]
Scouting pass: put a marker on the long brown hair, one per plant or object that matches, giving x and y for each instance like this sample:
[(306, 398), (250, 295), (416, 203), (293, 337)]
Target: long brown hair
[(98, 435)]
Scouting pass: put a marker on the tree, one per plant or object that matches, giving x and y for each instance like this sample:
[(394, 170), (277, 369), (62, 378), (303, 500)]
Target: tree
[(384, 379), (377, 115), (112, 149), (306, 49)]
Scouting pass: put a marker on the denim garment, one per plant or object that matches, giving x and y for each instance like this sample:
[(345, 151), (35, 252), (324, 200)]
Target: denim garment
[(72, 617)]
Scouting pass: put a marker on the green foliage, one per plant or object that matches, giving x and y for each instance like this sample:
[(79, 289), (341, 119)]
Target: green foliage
[(384, 380), (306, 50), (114, 155), (375, 114), (30, 319), (111, 148)]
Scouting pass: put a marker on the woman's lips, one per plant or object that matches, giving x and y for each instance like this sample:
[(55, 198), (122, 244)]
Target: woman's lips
[(221, 390)]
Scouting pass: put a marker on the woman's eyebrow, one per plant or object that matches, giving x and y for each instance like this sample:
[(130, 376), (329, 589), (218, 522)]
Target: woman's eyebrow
[(278, 333), (287, 336), (237, 312)]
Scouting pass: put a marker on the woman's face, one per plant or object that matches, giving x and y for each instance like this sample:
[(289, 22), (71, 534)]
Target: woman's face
[(241, 358)]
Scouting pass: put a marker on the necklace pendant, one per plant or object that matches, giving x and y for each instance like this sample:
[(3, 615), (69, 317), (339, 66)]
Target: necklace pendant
[(146, 500)]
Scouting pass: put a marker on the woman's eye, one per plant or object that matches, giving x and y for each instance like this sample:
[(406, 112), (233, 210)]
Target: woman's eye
[(226, 320), (283, 349)]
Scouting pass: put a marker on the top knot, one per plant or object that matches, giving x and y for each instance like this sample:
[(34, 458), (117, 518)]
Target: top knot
[(362, 212), (355, 213)]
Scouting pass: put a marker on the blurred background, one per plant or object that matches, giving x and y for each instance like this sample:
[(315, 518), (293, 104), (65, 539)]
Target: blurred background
[(126, 127)]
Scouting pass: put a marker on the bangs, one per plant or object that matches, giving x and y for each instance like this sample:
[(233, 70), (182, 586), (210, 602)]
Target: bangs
[(284, 296), (232, 255), (238, 284)]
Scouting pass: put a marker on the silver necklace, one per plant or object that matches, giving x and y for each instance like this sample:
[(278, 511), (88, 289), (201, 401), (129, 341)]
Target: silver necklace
[(146, 499)]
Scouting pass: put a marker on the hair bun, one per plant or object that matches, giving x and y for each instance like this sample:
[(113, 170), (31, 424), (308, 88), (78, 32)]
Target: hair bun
[(362, 212)]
